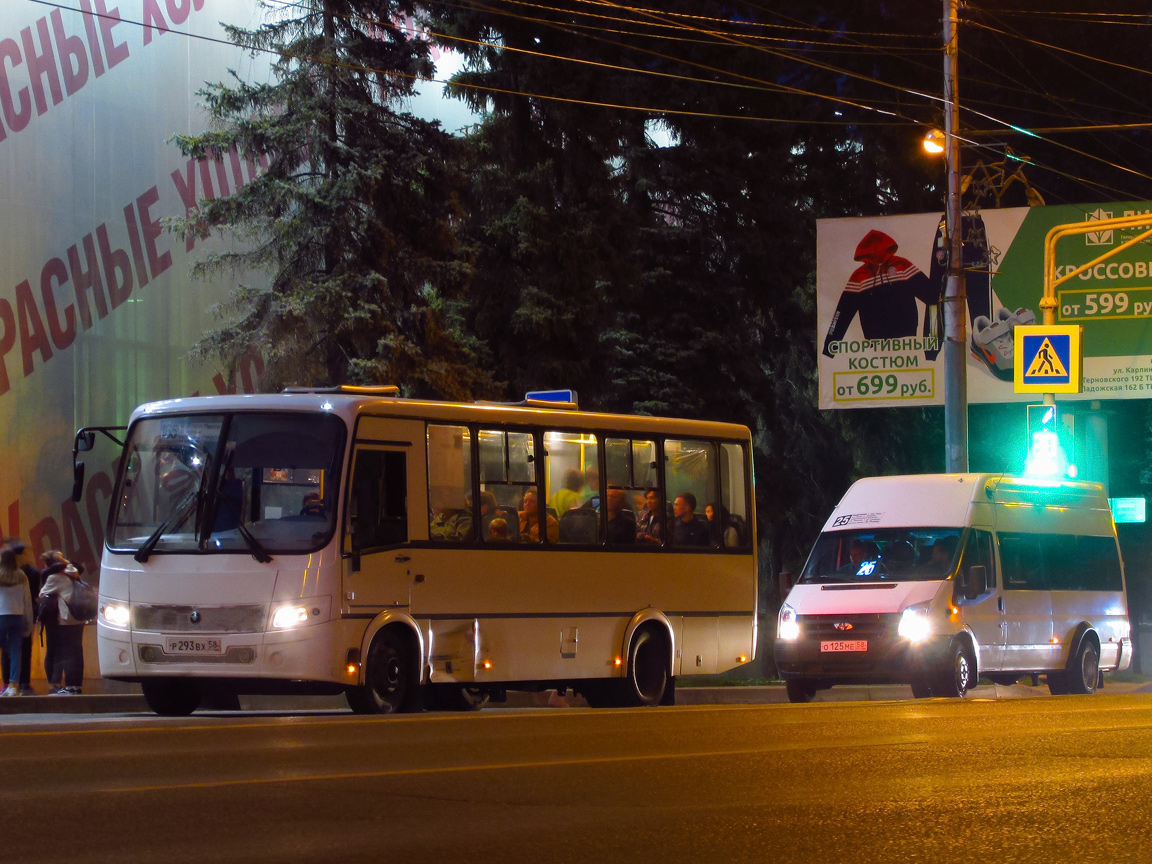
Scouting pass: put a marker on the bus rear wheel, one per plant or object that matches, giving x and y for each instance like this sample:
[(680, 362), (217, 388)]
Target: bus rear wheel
[(390, 684), (172, 697)]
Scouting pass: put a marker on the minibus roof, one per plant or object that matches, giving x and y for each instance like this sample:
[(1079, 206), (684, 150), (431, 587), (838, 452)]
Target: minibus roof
[(944, 500)]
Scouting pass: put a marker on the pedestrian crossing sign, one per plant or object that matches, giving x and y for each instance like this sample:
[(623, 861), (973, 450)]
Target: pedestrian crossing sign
[(1047, 358)]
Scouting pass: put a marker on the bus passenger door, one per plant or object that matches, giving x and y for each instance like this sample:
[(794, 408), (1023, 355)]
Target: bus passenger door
[(378, 512)]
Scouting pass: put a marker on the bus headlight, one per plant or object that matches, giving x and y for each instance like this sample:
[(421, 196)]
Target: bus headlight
[(115, 614), (787, 626), (289, 616), (914, 623)]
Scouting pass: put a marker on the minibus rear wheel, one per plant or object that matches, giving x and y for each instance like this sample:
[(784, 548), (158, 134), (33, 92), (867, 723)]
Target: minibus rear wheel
[(1083, 672)]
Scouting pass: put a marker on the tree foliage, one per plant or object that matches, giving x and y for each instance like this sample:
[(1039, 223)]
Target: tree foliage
[(355, 217)]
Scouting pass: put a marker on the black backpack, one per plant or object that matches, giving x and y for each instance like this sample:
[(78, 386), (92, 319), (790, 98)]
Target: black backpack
[(84, 602)]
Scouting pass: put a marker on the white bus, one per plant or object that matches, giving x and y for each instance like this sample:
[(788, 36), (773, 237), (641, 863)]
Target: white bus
[(937, 580), (410, 553)]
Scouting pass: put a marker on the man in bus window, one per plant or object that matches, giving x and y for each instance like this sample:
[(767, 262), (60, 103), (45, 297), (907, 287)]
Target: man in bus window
[(530, 521), (687, 528), (621, 525), (450, 525), (648, 525)]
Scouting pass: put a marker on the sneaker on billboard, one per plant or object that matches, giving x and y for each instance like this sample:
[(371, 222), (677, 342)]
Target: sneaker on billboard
[(62, 691), (27, 691), (8, 691), (994, 344)]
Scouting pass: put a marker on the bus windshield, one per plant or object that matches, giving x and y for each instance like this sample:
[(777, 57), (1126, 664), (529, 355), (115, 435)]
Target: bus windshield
[(255, 483), (883, 555)]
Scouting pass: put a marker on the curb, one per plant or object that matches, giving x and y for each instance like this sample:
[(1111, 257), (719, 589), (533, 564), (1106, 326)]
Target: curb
[(133, 703)]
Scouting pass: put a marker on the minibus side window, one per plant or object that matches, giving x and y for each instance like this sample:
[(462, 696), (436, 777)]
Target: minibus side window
[(1097, 565), (1022, 559)]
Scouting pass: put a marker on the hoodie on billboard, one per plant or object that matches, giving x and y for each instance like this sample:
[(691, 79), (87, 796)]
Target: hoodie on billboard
[(883, 291)]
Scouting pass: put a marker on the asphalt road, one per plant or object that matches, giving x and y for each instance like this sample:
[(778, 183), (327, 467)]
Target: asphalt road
[(1064, 779)]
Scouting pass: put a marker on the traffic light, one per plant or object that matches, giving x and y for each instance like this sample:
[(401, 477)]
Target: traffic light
[(1049, 443)]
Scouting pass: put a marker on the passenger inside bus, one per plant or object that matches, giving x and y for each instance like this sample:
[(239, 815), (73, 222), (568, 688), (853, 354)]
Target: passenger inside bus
[(687, 528), (450, 525), (497, 530), (530, 521), (313, 505), (648, 526), (621, 522)]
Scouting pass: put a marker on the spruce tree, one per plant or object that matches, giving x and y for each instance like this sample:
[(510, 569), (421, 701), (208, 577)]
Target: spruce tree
[(353, 223)]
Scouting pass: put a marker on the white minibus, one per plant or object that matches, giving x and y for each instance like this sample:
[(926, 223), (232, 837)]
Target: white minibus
[(937, 580), (412, 553)]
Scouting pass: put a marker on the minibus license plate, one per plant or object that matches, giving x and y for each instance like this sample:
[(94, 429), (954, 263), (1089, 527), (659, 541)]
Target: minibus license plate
[(177, 645), (850, 645)]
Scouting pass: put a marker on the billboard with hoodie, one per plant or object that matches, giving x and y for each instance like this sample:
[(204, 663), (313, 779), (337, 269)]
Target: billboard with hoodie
[(880, 282)]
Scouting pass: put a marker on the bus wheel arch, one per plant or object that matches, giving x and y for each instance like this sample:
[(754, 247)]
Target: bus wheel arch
[(649, 666), (390, 673)]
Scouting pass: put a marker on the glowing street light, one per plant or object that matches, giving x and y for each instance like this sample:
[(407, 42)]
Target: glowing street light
[(933, 142)]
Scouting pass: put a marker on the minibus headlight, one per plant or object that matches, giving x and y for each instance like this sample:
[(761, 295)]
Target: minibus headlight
[(787, 626), (115, 614), (289, 616), (914, 623)]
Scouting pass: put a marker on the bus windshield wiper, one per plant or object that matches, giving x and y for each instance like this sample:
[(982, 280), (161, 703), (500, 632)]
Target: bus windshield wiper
[(257, 550), (182, 511)]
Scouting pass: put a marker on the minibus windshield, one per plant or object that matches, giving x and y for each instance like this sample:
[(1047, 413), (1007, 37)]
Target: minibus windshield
[(253, 483), (883, 555)]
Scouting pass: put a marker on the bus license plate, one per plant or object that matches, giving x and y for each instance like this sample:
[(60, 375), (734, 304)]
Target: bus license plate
[(851, 645), (178, 645)]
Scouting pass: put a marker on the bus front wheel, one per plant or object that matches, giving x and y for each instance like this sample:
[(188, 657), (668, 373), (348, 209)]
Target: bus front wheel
[(390, 684), (172, 697)]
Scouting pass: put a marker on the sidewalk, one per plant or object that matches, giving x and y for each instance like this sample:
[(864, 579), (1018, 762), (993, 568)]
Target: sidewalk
[(133, 703)]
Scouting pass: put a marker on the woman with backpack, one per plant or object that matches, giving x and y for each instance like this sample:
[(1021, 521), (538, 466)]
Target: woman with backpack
[(15, 614), (64, 653)]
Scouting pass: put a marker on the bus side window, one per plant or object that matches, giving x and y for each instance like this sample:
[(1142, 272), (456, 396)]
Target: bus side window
[(377, 501), (733, 513), (690, 481), (508, 472), (572, 480), (450, 484)]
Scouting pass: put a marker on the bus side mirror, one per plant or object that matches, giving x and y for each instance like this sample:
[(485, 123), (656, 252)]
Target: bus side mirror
[(786, 583), (77, 481), (85, 441), (976, 582)]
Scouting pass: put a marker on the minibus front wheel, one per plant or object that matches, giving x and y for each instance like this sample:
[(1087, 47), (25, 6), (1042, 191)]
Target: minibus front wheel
[(958, 674)]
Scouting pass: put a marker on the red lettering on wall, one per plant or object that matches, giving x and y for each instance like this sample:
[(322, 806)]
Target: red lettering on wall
[(84, 280), (114, 262), (16, 118), (153, 18), (32, 335), (93, 38), (71, 50), (134, 243), (76, 545), (158, 262), (7, 343), (100, 484), (179, 10), (62, 336), (114, 53), (41, 65), (14, 519)]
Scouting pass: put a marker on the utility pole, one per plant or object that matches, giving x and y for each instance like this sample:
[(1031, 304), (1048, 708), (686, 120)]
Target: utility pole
[(955, 302)]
